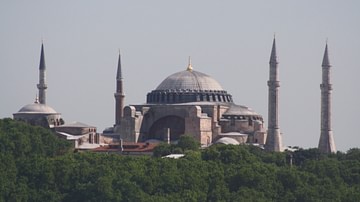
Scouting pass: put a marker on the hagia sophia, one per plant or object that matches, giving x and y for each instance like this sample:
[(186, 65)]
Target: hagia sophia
[(187, 102)]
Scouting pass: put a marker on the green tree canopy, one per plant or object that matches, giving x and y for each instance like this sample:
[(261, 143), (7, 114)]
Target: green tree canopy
[(187, 142), (35, 166)]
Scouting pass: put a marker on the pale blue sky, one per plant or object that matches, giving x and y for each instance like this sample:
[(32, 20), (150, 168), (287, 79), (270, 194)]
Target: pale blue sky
[(228, 40)]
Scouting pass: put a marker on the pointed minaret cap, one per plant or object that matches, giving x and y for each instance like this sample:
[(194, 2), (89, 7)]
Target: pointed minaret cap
[(119, 73), (42, 58), (189, 68), (326, 61), (273, 56)]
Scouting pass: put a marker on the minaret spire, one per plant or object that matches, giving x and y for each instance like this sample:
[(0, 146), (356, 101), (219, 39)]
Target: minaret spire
[(273, 55), (326, 142), (274, 139), (119, 71), (326, 61), (42, 86), (119, 94)]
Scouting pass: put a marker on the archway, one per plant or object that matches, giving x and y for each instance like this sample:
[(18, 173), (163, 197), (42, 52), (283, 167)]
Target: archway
[(175, 123)]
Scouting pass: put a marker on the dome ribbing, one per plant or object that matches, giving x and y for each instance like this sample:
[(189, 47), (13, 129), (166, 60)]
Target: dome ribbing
[(189, 80), (188, 86)]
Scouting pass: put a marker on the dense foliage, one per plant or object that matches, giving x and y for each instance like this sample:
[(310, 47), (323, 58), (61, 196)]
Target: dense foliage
[(184, 144), (40, 169)]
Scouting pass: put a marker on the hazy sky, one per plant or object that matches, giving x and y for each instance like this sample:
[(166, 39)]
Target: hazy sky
[(228, 40)]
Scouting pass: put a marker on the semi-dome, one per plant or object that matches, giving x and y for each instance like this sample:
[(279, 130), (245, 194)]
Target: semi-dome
[(190, 80), (188, 86), (240, 110), (37, 108)]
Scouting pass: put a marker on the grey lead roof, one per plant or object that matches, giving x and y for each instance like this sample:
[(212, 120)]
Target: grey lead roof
[(189, 80), (227, 140), (239, 110), (36, 108)]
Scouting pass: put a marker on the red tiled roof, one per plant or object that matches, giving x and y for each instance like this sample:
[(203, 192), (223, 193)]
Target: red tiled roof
[(127, 147)]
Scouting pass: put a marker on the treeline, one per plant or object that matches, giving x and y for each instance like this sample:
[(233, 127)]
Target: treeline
[(37, 166)]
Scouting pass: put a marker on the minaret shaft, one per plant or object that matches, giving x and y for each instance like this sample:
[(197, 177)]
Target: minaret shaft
[(119, 95), (42, 86), (273, 140), (326, 142)]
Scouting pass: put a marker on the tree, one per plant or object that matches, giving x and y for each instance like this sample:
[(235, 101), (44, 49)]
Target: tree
[(40, 171), (187, 142), (353, 154), (162, 149), (184, 144)]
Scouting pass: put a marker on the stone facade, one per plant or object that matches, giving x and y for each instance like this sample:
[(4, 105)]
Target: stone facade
[(192, 103), (206, 122)]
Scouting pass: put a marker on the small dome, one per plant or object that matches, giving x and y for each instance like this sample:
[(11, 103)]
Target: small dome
[(189, 80), (227, 140), (37, 108), (234, 134)]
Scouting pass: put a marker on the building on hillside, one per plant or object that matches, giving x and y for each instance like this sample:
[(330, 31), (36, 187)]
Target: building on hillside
[(187, 102), (39, 113), (82, 135)]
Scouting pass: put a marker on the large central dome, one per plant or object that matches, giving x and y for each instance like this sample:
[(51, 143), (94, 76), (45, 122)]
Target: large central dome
[(189, 80), (188, 86)]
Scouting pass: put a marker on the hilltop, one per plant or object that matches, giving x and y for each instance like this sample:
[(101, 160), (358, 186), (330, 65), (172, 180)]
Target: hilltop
[(38, 166)]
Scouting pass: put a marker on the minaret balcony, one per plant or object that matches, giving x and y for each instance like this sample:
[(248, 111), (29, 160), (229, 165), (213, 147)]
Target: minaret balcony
[(42, 86), (119, 95), (326, 86), (274, 84)]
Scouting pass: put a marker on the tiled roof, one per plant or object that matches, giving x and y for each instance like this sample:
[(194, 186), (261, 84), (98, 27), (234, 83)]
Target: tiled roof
[(127, 147)]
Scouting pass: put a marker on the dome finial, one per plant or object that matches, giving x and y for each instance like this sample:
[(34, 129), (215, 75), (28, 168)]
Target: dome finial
[(36, 99), (189, 68)]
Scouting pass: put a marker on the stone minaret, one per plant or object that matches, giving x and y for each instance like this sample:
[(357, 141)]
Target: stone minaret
[(119, 95), (273, 140), (42, 86), (326, 142)]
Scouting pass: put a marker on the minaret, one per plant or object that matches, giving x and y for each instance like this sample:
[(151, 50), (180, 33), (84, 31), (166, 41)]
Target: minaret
[(42, 86), (326, 142), (119, 95), (273, 140)]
